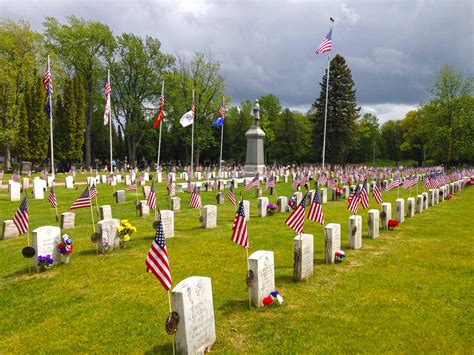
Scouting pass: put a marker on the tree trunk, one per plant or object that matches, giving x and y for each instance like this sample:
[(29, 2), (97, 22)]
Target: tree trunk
[(8, 157), (88, 123)]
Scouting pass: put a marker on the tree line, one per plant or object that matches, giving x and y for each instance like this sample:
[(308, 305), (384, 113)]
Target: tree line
[(439, 131)]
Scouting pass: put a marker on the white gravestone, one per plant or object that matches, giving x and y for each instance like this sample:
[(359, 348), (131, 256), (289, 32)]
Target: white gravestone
[(69, 182), (261, 264), (143, 208), (192, 300), (167, 217), (39, 186), (298, 196), (303, 257), (400, 207), (355, 232), (120, 196), (419, 204), (118, 179), (146, 191), (332, 242), (9, 230), (49, 181), (68, 220), (323, 193), (311, 195), (175, 204), (410, 207), (159, 177), (209, 216), (431, 199), (128, 181), (90, 181), (374, 223), (220, 198), (108, 235), (425, 200), (25, 183), (105, 212), (436, 196), (45, 242), (386, 214), (347, 191), (262, 206), (14, 190), (282, 204), (198, 175), (247, 209), (146, 176), (103, 179)]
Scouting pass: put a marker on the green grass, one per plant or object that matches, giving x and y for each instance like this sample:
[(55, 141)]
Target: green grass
[(409, 291)]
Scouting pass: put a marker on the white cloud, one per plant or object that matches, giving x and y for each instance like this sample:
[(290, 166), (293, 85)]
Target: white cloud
[(387, 111)]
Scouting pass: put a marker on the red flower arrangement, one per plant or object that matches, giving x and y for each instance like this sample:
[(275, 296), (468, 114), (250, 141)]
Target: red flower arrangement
[(392, 224)]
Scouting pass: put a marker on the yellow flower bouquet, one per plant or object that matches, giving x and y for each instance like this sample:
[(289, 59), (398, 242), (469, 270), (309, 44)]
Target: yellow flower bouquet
[(125, 231)]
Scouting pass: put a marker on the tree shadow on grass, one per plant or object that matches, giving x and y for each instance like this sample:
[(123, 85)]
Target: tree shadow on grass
[(232, 306), (284, 279), (161, 349)]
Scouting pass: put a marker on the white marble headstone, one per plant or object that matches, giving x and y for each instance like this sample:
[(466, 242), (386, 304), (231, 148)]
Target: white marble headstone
[(69, 182), (419, 204), (144, 208), (374, 223), (247, 209), (386, 214), (9, 230), (410, 207), (262, 206), (209, 216), (400, 207), (45, 242), (120, 196), (14, 190), (105, 212), (167, 217), (108, 235), (355, 232), (175, 204), (68, 220), (332, 241), (261, 264), (282, 204), (39, 187), (303, 261)]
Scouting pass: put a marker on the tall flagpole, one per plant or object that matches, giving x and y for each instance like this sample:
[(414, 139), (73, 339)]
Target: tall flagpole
[(110, 124), (192, 138), (51, 122), (159, 139), (222, 139), (327, 92)]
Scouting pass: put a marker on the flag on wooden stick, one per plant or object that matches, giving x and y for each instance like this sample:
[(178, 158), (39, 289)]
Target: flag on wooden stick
[(21, 217), (157, 259)]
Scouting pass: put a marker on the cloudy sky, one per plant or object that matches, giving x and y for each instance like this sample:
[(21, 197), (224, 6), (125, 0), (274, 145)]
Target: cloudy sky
[(394, 48)]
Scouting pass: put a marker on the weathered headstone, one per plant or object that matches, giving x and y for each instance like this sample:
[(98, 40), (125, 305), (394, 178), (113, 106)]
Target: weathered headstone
[(400, 206), (310, 196), (175, 204), (431, 198), (374, 223), (103, 179), (419, 204), (167, 217), (14, 190), (120, 196), (105, 212), (9, 230), (262, 206), (247, 209), (355, 232), (298, 196), (303, 257), (146, 176), (49, 181), (25, 183), (90, 180), (332, 242), (146, 191), (69, 182), (192, 300), (436, 196), (209, 216), (282, 203), (108, 235), (118, 179), (220, 198), (261, 265), (386, 214), (259, 192), (410, 207), (425, 200), (323, 193), (39, 186), (143, 208), (45, 242), (67, 220)]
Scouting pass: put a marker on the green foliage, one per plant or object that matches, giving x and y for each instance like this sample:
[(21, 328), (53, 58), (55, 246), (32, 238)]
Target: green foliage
[(341, 115), (367, 138), (38, 123), (391, 139)]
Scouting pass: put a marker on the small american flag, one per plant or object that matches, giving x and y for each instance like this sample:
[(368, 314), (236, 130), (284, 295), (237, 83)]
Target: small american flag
[(151, 201), (395, 183), (107, 91), (296, 219), (21, 217), (270, 182), (428, 183), (82, 201), (170, 185), (132, 186), (410, 182), (157, 259), (16, 176), (364, 195), (296, 182), (316, 209), (354, 200), (230, 194), (195, 200), (322, 180), (93, 191), (326, 44), (52, 197), (332, 183), (252, 183), (377, 193), (239, 228)]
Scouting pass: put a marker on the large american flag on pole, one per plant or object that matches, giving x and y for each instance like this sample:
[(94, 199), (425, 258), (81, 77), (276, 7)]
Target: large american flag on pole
[(48, 86), (296, 219), (239, 228), (52, 197), (326, 44), (316, 208), (159, 118), (82, 201), (21, 217), (107, 91), (157, 259)]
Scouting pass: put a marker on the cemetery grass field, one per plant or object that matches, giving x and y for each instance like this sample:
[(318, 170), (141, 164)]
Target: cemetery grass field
[(411, 290)]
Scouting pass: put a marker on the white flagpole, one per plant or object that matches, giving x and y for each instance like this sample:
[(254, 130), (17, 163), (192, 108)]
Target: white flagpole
[(51, 123), (110, 125), (222, 139), (192, 139), (159, 139), (327, 92)]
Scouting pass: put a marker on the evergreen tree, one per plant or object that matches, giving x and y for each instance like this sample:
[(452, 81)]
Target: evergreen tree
[(80, 107), (23, 142), (341, 117), (38, 124)]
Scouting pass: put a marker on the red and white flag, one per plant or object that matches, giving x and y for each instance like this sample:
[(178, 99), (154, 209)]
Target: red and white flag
[(21, 217), (157, 259), (239, 228), (296, 219)]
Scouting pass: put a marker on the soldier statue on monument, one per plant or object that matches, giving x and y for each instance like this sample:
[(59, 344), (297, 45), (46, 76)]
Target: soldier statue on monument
[(255, 160)]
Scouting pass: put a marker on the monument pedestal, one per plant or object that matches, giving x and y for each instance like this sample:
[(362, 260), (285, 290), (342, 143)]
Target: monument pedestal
[(255, 159)]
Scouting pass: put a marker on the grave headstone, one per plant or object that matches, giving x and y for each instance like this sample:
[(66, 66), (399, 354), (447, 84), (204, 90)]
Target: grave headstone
[(323, 193), (247, 209), (261, 265), (120, 196), (436, 196), (220, 197), (310, 196), (143, 208), (400, 207), (303, 264), (386, 214), (419, 204), (167, 217), (159, 177), (108, 235), (14, 190), (90, 180), (425, 200), (146, 176), (49, 181), (39, 186), (69, 182), (332, 242), (355, 232), (175, 204), (298, 196), (192, 300), (374, 223), (431, 198), (45, 242), (282, 204), (128, 181), (259, 192), (105, 212), (262, 206), (25, 183), (67, 220), (346, 191), (410, 207), (146, 191), (209, 216), (118, 179), (9, 230), (103, 179)]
